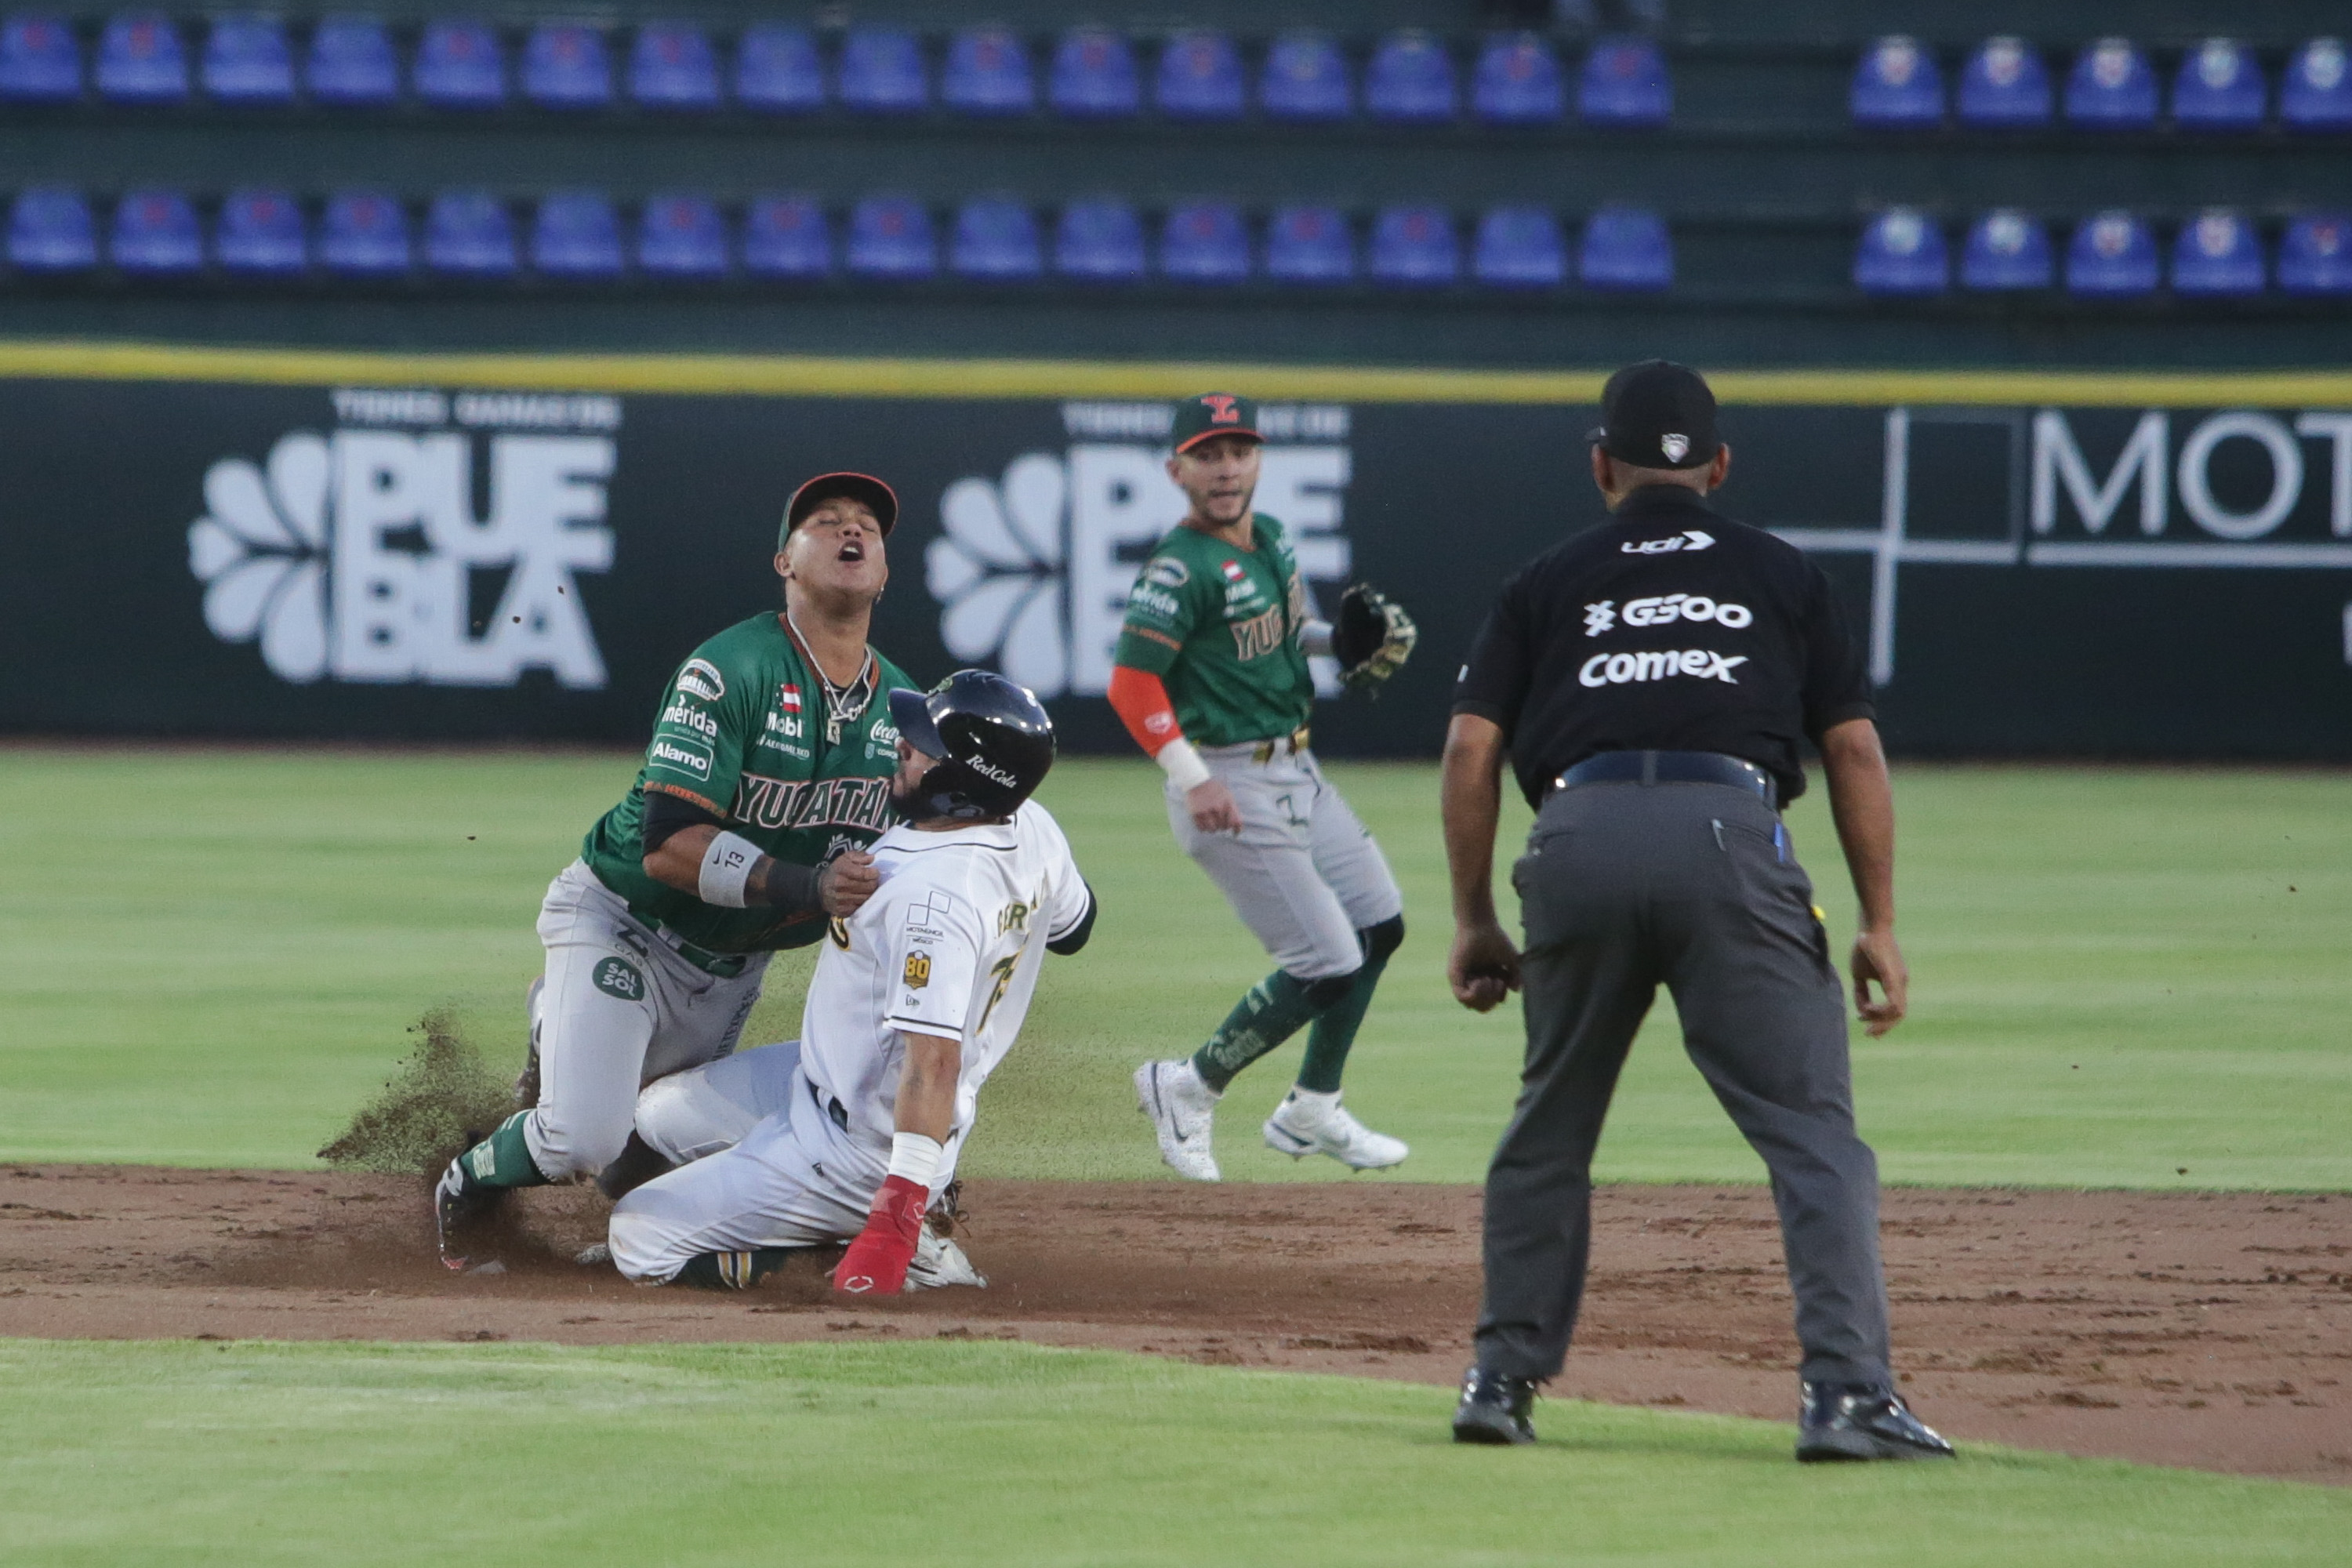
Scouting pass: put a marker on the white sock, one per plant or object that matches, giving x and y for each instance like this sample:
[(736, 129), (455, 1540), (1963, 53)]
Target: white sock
[(1195, 1081), (1316, 1103)]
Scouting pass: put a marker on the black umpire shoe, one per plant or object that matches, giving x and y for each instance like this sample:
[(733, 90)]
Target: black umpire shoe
[(1862, 1420), (1494, 1408)]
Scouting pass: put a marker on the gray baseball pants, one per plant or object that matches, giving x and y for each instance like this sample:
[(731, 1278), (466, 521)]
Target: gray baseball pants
[(1625, 887)]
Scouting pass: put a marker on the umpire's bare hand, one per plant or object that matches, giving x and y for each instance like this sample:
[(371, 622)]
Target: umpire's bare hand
[(847, 880), (1876, 957), (1483, 966)]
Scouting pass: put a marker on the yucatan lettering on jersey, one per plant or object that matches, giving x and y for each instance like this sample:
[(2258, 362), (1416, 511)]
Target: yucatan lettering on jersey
[(1220, 626)]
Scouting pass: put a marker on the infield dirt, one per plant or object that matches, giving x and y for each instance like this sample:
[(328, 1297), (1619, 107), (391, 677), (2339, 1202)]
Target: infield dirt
[(2212, 1330)]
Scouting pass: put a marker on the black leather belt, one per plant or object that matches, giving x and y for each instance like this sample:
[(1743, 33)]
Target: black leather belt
[(1672, 767)]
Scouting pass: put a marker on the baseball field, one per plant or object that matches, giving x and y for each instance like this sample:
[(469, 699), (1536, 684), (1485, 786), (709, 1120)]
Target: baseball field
[(2119, 1221)]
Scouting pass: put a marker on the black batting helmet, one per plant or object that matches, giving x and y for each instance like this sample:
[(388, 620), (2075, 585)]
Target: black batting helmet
[(994, 741)]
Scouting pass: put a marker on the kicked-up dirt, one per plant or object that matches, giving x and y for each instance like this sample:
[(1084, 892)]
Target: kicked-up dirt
[(2212, 1330)]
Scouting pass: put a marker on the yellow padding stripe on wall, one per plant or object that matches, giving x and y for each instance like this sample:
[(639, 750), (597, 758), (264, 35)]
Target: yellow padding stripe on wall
[(786, 375)]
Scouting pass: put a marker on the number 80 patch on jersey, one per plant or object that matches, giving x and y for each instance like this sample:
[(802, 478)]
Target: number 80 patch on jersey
[(918, 971)]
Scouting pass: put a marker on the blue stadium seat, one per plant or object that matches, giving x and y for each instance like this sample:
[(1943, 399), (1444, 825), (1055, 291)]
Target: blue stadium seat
[(1306, 77), (1897, 85), (988, 73), (1200, 78), (1901, 252), (2219, 253), (2004, 84), (2111, 88), (2006, 249), (1625, 83), (246, 61), (1094, 76), (260, 235), (468, 234), (1517, 82), (995, 238), (156, 233), (671, 66), (1518, 248), (787, 236), (576, 234), (1099, 241), (1414, 246), (50, 230), (882, 73), (565, 66), (2112, 256), (681, 235), (2318, 93), (2220, 88), (1204, 242), (1410, 80), (141, 60), (2315, 256), (1310, 245), (1625, 248), (890, 236), (778, 70), (364, 234), (460, 65), (351, 62), (40, 60)]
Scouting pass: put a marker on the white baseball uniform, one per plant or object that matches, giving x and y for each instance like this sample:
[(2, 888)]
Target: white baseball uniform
[(787, 1144)]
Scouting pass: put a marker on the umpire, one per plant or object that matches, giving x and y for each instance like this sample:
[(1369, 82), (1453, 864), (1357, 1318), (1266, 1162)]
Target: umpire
[(1650, 680)]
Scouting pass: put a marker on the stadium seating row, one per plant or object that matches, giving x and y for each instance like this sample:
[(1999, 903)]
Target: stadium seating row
[(2112, 254), (684, 236), (2220, 86), (1410, 77)]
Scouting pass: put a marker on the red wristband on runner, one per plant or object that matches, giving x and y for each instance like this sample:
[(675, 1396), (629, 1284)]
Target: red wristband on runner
[(876, 1263), (1141, 700)]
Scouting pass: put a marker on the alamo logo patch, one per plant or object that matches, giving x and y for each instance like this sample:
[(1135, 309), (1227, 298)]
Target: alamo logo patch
[(619, 977), (700, 677), (918, 971)]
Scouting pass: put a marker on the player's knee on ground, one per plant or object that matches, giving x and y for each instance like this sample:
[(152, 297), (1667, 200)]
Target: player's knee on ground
[(1325, 991), (643, 1249), (563, 1149), (1383, 940)]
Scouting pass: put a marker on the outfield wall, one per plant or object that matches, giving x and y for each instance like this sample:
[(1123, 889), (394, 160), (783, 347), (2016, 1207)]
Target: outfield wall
[(231, 543)]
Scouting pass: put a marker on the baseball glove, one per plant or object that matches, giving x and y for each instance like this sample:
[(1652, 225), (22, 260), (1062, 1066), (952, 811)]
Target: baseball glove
[(1372, 637)]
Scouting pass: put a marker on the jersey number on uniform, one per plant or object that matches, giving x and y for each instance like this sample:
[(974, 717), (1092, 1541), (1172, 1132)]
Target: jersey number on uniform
[(1002, 969)]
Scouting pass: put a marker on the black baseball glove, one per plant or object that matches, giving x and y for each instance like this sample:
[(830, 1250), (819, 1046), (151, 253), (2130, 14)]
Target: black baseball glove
[(1371, 637)]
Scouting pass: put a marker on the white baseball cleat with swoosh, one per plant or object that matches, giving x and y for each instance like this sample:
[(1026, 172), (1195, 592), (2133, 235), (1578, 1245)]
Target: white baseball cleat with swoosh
[(1183, 1110), (1308, 1123)]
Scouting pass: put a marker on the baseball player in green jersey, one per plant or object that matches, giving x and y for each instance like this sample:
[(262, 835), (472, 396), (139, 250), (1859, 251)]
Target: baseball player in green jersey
[(767, 773), (1211, 680)]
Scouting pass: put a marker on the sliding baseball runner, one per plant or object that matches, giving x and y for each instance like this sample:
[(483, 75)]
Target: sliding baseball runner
[(852, 1132), (1211, 680), (767, 775)]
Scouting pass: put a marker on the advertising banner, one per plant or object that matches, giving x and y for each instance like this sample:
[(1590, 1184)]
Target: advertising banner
[(366, 552)]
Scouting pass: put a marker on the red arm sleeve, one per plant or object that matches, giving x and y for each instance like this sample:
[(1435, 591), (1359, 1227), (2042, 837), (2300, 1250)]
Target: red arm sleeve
[(1141, 703)]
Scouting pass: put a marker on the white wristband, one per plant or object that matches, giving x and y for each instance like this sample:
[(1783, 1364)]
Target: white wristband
[(726, 866), (915, 1157), (1182, 764)]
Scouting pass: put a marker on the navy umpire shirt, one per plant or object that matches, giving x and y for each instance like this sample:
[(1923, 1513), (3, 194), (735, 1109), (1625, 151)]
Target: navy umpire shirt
[(1669, 627)]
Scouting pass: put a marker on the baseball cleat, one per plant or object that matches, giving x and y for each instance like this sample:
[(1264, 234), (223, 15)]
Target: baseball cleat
[(1308, 1123), (457, 1203), (939, 1261), (1181, 1108), (1494, 1408), (1862, 1420)]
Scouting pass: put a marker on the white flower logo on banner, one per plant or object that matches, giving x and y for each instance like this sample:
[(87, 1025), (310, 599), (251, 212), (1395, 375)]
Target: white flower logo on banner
[(998, 571), (260, 551)]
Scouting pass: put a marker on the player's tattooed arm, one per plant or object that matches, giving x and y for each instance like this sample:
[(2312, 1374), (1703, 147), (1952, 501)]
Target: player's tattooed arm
[(677, 836)]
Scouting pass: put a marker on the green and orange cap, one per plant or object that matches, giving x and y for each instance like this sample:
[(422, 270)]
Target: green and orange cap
[(1215, 414)]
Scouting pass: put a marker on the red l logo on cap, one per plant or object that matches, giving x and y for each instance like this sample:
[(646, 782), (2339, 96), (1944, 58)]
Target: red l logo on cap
[(1221, 408)]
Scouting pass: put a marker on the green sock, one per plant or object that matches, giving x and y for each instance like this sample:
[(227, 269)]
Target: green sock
[(503, 1159), (1335, 1029), (1269, 1013), (732, 1270)]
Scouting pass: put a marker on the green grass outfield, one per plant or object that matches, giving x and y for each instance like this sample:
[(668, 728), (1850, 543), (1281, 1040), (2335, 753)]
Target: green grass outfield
[(257, 1453), (213, 957)]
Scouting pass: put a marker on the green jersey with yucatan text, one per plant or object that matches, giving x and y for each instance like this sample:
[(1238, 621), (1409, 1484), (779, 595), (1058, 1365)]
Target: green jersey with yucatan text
[(742, 734), (1219, 626)]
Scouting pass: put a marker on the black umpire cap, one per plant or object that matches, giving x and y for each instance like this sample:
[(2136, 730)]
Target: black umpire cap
[(1657, 414)]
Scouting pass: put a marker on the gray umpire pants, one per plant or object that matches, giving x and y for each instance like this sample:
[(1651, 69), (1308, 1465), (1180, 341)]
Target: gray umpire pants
[(1625, 887)]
